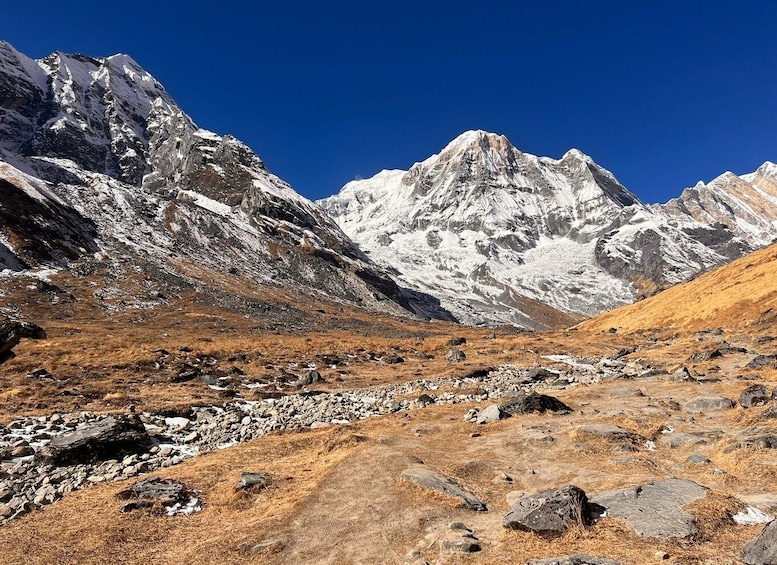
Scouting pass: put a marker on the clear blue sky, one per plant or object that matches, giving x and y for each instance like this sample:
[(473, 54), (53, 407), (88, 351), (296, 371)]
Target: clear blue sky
[(662, 93)]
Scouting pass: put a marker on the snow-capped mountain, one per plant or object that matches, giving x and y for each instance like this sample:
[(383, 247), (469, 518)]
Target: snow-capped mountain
[(484, 226), (97, 160)]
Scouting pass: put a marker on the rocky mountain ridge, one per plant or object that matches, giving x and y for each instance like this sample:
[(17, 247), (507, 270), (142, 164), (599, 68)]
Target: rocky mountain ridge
[(99, 165), (482, 224)]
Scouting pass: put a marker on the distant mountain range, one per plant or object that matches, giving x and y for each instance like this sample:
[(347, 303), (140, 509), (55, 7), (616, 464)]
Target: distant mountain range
[(486, 227), (100, 169)]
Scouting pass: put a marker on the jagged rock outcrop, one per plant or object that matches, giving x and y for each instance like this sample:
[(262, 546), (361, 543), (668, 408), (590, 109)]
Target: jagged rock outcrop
[(95, 156)]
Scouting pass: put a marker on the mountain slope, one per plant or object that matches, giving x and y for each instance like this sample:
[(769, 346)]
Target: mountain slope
[(96, 156), (481, 223), (736, 295)]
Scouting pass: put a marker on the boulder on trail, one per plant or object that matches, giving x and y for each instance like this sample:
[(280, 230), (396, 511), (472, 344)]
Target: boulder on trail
[(108, 438), (427, 478)]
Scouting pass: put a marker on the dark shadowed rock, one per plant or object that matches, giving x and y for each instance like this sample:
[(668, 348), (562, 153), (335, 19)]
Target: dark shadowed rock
[(680, 376), (654, 509), (552, 511), (574, 560), (146, 492), (453, 342), (434, 481), (761, 361), (763, 549), (534, 402), (108, 438), (754, 395), (11, 333)]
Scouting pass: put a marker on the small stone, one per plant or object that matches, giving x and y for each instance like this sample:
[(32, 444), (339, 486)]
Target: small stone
[(661, 555), (252, 481), (697, 459), (455, 356)]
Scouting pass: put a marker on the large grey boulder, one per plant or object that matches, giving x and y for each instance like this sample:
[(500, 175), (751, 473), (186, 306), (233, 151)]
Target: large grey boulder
[(709, 403), (551, 511), (754, 395), (763, 549), (109, 438), (574, 560), (427, 478), (654, 509)]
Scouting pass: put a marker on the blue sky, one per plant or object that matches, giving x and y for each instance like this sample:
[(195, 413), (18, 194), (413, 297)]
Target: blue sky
[(661, 93)]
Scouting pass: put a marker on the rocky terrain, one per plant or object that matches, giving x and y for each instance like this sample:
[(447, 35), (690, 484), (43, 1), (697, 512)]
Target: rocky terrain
[(198, 366), (491, 230), (601, 443)]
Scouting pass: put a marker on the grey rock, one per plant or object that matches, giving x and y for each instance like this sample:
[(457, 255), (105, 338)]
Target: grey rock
[(166, 491), (551, 511), (654, 509), (460, 542), (490, 414), (764, 441), (534, 402), (11, 333), (455, 355), (770, 413), (697, 459), (574, 560), (680, 376), (762, 550), (252, 481), (754, 395), (100, 440), (708, 403), (427, 478)]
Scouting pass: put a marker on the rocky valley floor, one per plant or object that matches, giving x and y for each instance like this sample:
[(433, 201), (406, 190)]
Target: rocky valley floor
[(314, 433)]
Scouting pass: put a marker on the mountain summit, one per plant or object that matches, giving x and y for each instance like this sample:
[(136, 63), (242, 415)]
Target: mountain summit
[(99, 165), (485, 227)]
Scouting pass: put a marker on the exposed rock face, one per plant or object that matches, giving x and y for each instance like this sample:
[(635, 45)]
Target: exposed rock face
[(434, 481), (763, 549), (486, 227), (11, 333), (574, 560), (655, 509), (96, 156)]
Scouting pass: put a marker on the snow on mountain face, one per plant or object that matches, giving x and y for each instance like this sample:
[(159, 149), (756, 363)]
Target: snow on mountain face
[(482, 222), (95, 156)]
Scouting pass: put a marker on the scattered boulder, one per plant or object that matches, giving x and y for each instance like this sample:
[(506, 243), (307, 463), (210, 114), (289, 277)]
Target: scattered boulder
[(764, 441), (11, 333), (552, 511), (459, 539), (761, 361), (310, 378), (453, 342), (252, 481), (574, 560), (172, 495), (392, 358), (754, 395), (654, 509), (709, 403), (427, 478), (681, 375), (770, 413), (763, 549), (534, 402), (490, 414), (455, 356), (104, 439)]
